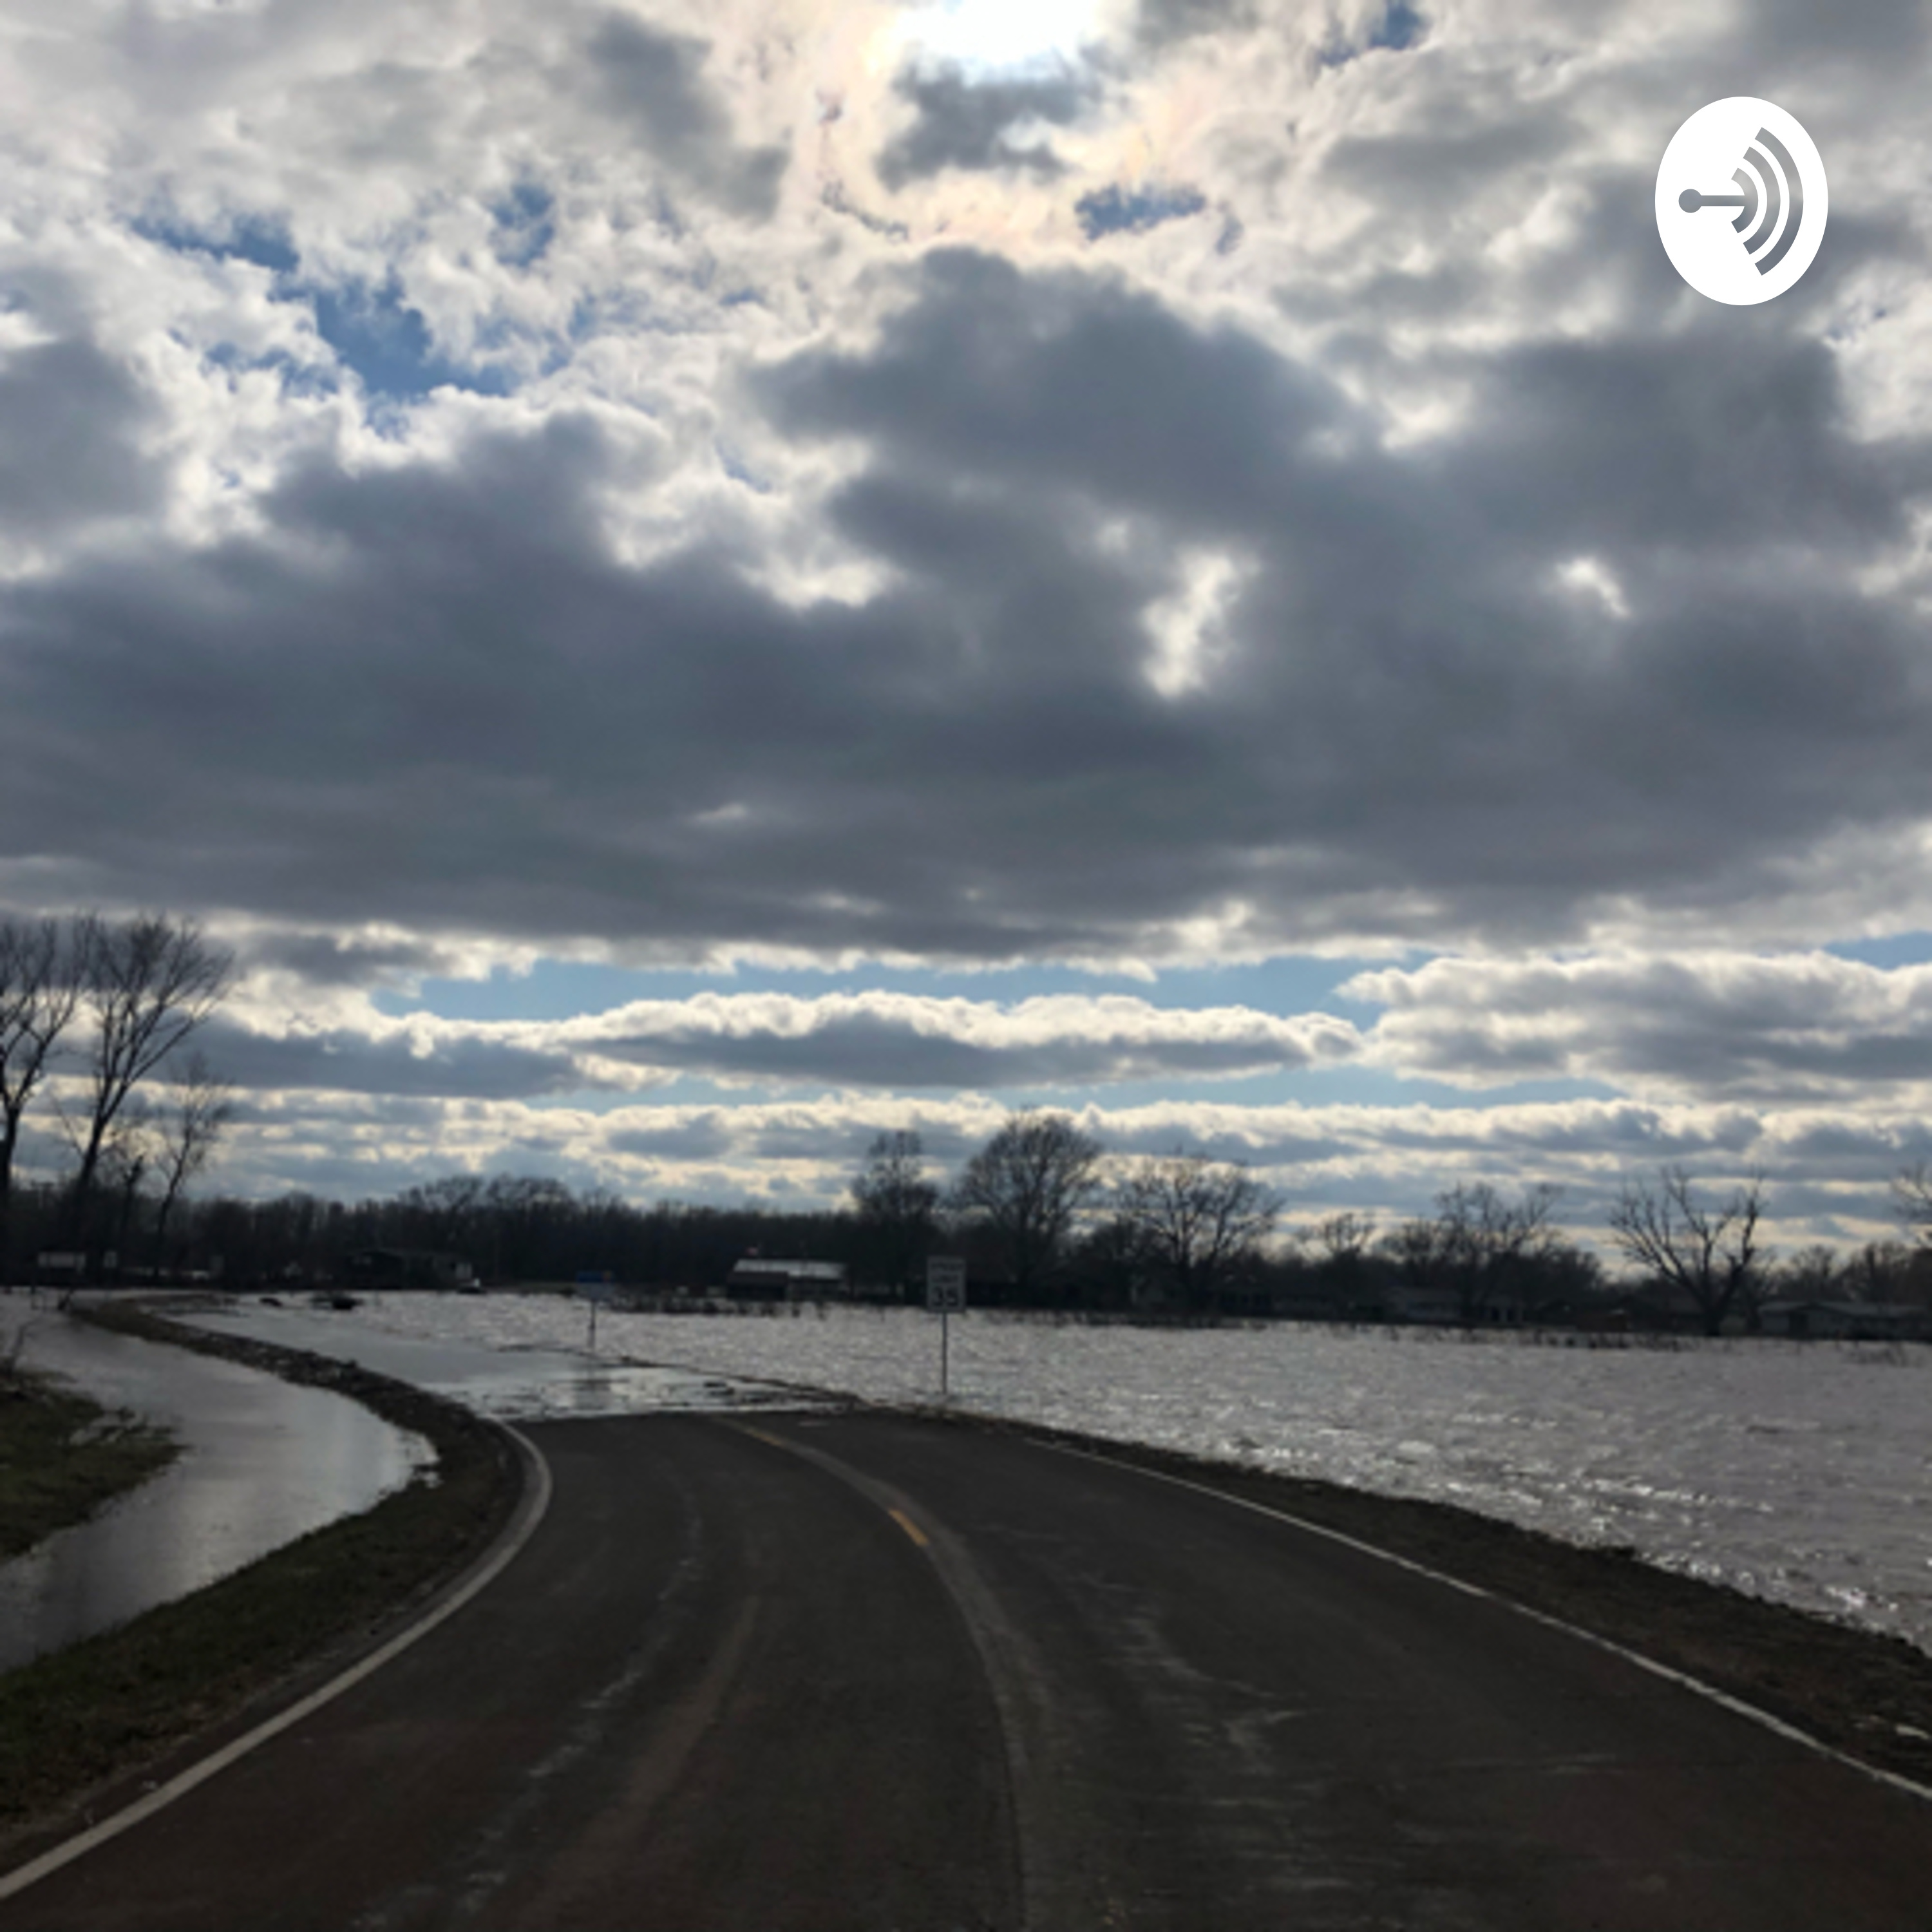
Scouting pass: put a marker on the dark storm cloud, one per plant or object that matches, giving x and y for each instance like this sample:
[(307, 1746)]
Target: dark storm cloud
[(655, 83), (69, 419), (429, 696), (963, 123)]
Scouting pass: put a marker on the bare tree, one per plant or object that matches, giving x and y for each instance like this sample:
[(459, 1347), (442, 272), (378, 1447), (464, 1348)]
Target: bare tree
[(148, 983), (1480, 1246), (187, 1132), (1888, 1271), (1912, 1199), (1198, 1220), (1026, 1185), (1812, 1274), (896, 1203), (1344, 1240), (1710, 1254), (40, 990), (1485, 1243), (126, 1155)]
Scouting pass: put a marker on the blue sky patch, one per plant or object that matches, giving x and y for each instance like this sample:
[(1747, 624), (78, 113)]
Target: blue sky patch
[(1898, 949), (265, 244), (525, 227), (555, 989), (1400, 27), (1116, 210), (387, 343)]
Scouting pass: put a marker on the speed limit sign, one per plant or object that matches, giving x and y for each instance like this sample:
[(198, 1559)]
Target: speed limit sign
[(946, 1284)]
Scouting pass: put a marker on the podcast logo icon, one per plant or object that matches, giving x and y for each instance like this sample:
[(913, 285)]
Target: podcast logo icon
[(1742, 200)]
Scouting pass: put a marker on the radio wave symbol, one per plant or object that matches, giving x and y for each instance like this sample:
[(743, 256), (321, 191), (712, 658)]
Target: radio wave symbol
[(1779, 176)]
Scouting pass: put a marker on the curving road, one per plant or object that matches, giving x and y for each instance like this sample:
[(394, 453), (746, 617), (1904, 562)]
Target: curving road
[(871, 1671)]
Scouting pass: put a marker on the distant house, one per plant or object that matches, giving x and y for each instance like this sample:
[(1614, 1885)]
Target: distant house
[(407, 1268), (1657, 1308), (757, 1279), (1408, 1301), (1847, 1320)]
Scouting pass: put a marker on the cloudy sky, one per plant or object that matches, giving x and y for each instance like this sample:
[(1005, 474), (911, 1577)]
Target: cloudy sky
[(686, 583)]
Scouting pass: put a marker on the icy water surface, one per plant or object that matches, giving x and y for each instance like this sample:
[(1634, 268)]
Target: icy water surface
[(1799, 1471), (513, 1381), (263, 1462)]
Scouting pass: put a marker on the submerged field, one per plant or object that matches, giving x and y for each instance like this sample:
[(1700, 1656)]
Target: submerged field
[(1801, 1472)]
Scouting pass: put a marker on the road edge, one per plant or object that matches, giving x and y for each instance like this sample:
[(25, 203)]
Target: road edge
[(531, 1506), (1738, 1706)]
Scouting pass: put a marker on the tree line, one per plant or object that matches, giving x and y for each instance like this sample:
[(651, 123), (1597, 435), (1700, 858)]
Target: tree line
[(1046, 1216), (96, 1017), (94, 1013)]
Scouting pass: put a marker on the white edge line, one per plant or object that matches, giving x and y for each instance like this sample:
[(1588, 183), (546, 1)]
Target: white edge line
[(1737, 1705), (530, 1510)]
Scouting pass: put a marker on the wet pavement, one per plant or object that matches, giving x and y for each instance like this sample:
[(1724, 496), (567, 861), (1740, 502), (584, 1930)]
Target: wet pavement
[(263, 1462), (514, 1384)]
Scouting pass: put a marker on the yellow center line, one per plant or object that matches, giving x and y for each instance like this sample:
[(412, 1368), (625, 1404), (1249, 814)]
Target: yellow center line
[(899, 1515), (911, 1528)]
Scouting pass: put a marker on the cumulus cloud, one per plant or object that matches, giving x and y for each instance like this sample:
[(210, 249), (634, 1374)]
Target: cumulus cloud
[(404, 1063), (898, 1041), (718, 484), (1713, 1025), (556, 662), (905, 1042), (959, 122), (1824, 1172), (70, 424), (655, 83)]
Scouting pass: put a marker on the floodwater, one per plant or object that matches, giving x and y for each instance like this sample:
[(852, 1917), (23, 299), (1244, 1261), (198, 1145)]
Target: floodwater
[(263, 1462), (513, 1384), (1797, 1471)]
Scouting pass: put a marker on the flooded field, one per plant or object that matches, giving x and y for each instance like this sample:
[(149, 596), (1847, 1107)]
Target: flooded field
[(513, 1381), (1800, 1471)]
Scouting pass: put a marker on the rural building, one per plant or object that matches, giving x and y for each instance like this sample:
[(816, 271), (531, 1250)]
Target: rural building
[(1847, 1320), (757, 1279), (406, 1268)]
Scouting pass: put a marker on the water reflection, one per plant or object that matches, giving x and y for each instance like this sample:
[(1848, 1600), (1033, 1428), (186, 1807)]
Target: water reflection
[(263, 1461)]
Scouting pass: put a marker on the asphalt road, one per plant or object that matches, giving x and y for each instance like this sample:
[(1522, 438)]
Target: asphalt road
[(864, 1672)]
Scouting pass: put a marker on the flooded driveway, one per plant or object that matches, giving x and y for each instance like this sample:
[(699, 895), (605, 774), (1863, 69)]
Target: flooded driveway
[(263, 1462)]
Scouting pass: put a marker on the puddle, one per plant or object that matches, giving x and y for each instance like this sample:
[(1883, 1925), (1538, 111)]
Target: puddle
[(263, 1462)]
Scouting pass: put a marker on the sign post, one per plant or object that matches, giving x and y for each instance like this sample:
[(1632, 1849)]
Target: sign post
[(946, 1292)]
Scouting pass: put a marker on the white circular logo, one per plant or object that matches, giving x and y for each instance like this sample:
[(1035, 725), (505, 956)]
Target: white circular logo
[(1742, 200)]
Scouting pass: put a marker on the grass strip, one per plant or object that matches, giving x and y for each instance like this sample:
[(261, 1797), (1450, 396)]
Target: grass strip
[(62, 1455), (110, 1706), (1864, 1693)]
